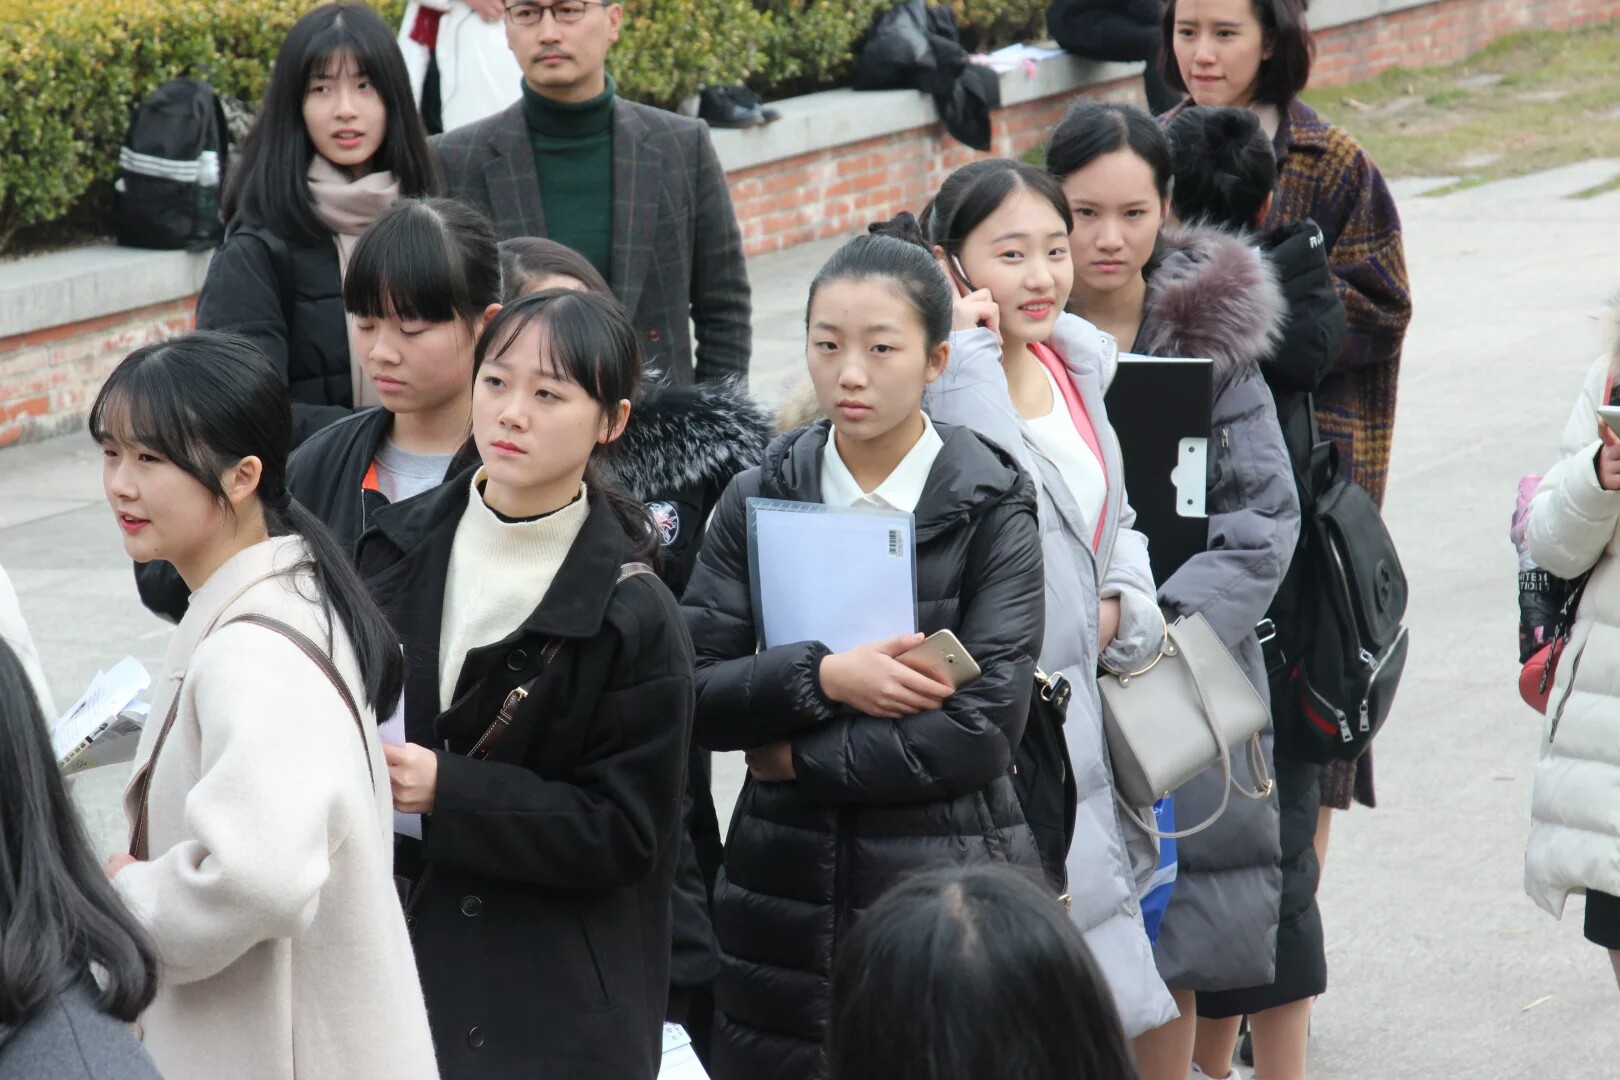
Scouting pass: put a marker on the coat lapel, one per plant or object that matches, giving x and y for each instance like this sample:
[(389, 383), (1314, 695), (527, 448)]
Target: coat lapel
[(514, 186), (637, 184)]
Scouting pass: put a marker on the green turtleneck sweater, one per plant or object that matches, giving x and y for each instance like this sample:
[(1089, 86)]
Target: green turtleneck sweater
[(573, 157)]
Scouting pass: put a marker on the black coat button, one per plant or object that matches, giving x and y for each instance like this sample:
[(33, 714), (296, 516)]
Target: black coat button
[(475, 1038), (471, 905), (517, 659)]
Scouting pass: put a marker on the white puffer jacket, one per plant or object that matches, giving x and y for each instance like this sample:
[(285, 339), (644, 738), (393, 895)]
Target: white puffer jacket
[(1574, 526)]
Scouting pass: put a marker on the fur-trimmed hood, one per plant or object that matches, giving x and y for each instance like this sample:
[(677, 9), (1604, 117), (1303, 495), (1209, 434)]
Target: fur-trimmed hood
[(1210, 294), (684, 435)]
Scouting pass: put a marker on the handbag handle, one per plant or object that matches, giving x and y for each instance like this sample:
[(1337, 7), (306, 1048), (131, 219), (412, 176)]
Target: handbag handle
[(1257, 757), (316, 655)]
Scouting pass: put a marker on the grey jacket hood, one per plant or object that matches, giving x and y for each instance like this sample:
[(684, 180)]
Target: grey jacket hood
[(1213, 296)]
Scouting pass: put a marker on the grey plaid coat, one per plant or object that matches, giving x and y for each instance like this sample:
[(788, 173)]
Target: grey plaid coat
[(677, 250)]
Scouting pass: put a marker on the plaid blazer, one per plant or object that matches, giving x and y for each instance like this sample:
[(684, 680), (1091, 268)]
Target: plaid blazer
[(677, 250)]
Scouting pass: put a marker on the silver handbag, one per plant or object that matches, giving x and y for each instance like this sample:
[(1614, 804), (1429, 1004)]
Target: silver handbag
[(1178, 716)]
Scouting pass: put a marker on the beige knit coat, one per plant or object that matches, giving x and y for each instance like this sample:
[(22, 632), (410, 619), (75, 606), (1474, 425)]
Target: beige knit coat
[(269, 891)]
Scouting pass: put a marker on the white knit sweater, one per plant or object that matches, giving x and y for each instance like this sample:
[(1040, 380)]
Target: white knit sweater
[(499, 573)]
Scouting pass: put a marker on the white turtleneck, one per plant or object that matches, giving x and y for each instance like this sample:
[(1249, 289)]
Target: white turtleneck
[(499, 573)]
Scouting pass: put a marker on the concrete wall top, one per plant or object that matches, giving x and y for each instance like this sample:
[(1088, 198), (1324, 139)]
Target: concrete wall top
[(86, 283)]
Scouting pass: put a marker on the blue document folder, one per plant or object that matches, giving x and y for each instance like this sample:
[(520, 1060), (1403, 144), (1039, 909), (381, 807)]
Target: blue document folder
[(843, 576)]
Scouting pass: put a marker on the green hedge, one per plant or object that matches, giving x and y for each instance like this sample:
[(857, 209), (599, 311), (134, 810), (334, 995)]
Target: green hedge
[(72, 72)]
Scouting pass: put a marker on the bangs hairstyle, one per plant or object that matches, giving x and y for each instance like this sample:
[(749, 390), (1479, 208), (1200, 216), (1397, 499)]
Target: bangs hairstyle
[(974, 192), (269, 181), (1282, 26), (60, 921), (586, 338), (204, 402), (526, 259), (1093, 129), (425, 260)]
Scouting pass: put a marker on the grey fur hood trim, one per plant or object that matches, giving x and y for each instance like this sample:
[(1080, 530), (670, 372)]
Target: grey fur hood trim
[(1212, 295), (685, 434)]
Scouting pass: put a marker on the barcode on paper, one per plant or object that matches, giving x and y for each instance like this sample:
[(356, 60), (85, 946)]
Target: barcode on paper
[(895, 550)]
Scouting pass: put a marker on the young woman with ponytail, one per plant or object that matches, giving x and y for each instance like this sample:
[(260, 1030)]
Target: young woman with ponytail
[(261, 839), (547, 714)]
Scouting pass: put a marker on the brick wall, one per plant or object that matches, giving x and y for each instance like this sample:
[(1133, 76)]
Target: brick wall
[(48, 378)]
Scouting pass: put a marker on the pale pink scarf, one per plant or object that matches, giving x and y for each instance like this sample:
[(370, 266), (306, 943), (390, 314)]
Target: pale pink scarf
[(348, 207)]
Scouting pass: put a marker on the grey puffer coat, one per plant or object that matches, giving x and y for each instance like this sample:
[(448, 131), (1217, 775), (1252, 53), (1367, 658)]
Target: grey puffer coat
[(1212, 295), (873, 799), (1108, 862)]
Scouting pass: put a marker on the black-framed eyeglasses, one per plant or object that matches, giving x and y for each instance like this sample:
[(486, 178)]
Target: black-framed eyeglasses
[(564, 11)]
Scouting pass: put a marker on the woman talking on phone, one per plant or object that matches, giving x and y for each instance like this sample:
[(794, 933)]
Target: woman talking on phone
[(862, 769), (1031, 378)]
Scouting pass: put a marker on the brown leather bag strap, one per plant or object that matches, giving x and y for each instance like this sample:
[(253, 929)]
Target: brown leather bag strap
[(503, 723), (317, 656)]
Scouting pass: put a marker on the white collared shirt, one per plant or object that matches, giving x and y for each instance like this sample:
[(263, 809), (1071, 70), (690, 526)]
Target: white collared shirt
[(902, 489)]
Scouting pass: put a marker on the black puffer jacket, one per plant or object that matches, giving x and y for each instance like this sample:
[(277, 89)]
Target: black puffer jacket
[(288, 300), (874, 799)]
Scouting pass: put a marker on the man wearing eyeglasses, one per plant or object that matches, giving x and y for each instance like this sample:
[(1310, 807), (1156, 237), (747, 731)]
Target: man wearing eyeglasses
[(636, 190)]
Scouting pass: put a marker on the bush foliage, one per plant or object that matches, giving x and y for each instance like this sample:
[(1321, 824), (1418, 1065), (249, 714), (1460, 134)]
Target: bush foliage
[(71, 73)]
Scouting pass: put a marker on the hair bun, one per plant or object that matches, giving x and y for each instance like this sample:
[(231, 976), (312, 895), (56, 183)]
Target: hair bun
[(903, 226)]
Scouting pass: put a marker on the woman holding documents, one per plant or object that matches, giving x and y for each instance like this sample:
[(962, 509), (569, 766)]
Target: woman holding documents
[(1196, 293), (1031, 378), (547, 714), (862, 768), (261, 839)]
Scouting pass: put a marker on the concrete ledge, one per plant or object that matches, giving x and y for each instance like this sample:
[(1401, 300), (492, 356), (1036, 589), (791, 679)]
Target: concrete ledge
[(64, 287), (839, 117)]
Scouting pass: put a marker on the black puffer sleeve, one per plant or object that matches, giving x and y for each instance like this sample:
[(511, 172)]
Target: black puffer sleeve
[(745, 697), (968, 743)]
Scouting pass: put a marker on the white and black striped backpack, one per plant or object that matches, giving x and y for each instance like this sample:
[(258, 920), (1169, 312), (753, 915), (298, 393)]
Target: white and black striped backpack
[(169, 170)]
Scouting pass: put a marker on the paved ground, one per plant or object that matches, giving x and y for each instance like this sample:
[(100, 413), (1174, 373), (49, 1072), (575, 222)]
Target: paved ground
[(1440, 965)]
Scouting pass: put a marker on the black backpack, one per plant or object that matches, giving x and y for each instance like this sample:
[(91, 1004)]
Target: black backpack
[(169, 170), (1354, 643)]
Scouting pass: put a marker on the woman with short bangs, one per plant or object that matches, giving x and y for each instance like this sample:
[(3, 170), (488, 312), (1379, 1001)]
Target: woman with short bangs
[(336, 143)]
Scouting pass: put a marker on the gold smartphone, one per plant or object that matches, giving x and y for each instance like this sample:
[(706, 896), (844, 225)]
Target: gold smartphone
[(941, 656)]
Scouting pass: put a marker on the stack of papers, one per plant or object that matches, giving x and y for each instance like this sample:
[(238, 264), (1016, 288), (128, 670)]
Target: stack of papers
[(103, 726)]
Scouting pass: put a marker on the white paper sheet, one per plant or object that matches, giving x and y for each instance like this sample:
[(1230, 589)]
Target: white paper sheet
[(680, 1060), (392, 733), (110, 693), (843, 577)]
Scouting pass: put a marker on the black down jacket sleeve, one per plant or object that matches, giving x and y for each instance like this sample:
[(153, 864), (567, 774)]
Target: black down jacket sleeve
[(968, 743), (745, 697), (1313, 331)]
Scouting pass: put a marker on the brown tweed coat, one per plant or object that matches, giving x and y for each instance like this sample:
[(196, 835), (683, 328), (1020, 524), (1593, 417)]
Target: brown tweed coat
[(677, 250), (1323, 174)]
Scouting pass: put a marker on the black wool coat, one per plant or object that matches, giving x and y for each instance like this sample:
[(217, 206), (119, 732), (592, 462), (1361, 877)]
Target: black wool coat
[(543, 936), (874, 799), (287, 298)]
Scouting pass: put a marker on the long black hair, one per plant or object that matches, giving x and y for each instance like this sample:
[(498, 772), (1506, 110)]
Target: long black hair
[(888, 256), (204, 402), (967, 973), (431, 260), (269, 181), (59, 917), (1092, 129), (1224, 167), (535, 258), (589, 340), (977, 190)]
